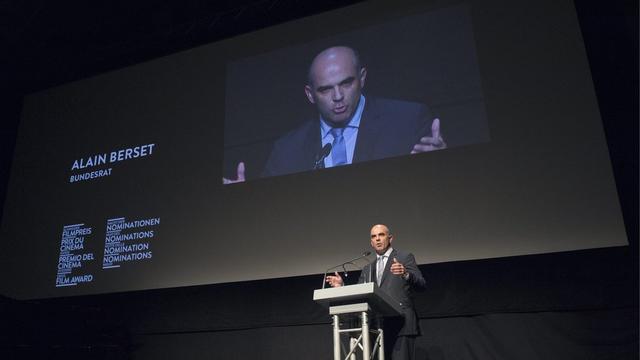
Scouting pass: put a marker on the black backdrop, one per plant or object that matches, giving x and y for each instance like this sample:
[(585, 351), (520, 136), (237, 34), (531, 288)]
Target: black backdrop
[(576, 305)]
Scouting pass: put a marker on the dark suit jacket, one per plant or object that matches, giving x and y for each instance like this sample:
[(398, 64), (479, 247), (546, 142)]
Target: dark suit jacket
[(387, 128), (398, 288)]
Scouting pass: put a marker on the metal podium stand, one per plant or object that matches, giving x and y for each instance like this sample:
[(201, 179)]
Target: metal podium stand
[(365, 302)]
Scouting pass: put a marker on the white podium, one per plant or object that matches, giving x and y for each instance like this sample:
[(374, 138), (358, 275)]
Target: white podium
[(364, 302)]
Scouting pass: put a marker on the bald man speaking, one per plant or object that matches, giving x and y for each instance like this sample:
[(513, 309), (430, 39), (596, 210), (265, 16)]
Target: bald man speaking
[(350, 126), (397, 274)]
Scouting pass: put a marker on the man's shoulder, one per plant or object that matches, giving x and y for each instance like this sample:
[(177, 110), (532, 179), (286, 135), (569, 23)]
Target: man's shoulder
[(384, 106), (299, 134), (399, 118), (384, 101), (401, 254), (294, 151)]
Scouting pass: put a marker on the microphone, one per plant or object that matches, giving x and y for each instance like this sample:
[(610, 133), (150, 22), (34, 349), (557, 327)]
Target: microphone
[(363, 255), (321, 155), (343, 265)]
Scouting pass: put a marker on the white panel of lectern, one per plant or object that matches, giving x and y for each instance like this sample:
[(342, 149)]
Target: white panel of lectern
[(379, 301)]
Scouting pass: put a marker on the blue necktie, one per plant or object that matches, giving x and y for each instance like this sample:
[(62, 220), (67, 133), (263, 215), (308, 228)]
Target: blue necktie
[(338, 149), (380, 268)]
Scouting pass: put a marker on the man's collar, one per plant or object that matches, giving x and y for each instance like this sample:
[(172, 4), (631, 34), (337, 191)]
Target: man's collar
[(387, 253)]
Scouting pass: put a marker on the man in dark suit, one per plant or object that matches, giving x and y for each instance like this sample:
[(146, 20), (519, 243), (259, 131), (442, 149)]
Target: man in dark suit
[(397, 274), (386, 128), (355, 128)]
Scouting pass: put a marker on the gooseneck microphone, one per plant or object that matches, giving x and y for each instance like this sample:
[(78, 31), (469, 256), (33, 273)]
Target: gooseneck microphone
[(344, 264), (321, 155)]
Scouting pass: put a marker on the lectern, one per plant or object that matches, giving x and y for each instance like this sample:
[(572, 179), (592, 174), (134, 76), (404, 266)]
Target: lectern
[(364, 302)]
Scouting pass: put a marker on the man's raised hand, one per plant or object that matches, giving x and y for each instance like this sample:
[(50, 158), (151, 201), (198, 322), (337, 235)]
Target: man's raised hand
[(239, 176), (430, 143)]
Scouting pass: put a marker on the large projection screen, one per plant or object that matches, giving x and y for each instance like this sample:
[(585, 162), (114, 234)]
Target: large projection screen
[(117, 184)]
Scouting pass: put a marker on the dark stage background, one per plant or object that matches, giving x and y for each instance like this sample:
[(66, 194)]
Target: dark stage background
[(571, 305)]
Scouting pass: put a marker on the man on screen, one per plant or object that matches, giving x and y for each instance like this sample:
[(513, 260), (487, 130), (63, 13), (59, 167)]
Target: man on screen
[(397, 274), (350, 127)]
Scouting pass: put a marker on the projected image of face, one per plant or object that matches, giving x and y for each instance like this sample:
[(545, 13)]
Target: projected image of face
[(337, 123), (336, 80), (380, 239)]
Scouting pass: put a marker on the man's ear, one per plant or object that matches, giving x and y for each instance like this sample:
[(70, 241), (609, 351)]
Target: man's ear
[(309, 92), (390, 238), (363, 76)]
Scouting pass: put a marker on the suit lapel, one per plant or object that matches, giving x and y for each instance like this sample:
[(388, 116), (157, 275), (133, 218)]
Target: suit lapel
[(374, 271), (367, 132), (387, 267), (311, 144)]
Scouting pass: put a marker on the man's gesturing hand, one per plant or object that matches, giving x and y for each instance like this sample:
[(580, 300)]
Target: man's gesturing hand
[(397, 268), (239, 177), (430, 143), (334, 280)]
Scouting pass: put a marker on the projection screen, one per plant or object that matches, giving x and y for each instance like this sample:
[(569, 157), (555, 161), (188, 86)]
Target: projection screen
[(117, 181)]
